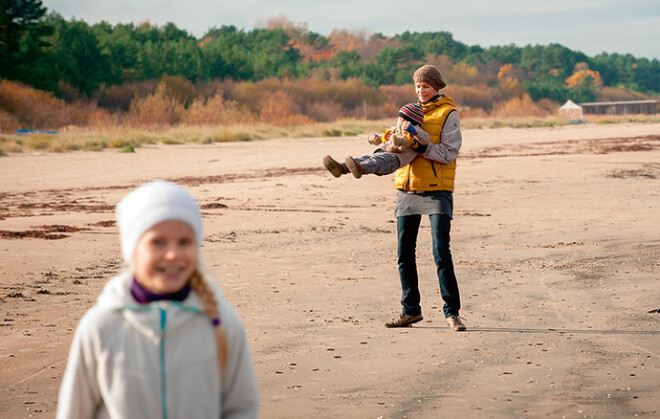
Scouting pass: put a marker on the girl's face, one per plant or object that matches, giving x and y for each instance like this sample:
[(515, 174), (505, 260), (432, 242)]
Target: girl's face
[(165, 257), (424, 91)]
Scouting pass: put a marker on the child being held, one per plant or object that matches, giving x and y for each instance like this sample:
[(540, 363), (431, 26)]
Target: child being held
[(398, 146)]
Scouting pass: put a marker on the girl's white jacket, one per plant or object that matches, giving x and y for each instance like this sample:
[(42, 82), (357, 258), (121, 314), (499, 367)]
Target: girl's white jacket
[(156, 361)]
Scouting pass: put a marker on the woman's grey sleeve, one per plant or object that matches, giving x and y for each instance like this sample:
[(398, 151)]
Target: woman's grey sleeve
[(451, 140)]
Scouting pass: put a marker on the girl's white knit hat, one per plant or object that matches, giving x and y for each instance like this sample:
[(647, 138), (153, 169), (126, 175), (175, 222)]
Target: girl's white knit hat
[(153, 203)]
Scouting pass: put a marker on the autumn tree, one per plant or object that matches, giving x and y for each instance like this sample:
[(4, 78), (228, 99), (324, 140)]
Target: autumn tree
[(343, 39), (584, 82), (508, 71), (582, 74), (464, 74), (508, 81), (310, 45)]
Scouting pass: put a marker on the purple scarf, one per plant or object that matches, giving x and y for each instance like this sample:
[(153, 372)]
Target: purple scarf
[(144, 296)]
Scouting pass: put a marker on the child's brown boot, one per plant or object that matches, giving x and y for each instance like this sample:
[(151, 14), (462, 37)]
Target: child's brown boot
[(354, 167), (333, 166)]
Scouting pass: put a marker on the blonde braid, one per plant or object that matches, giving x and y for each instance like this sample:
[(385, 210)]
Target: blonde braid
[(201, 287)]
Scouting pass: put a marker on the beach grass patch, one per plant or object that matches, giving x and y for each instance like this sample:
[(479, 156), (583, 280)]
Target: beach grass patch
[(38, 142), (119, 143), (229, 136), (172, 141), (332, 132)]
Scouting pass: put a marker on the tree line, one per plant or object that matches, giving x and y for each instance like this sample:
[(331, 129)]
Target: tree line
[(74, 59)]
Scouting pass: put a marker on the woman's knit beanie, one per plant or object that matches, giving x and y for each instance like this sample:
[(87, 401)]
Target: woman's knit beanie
[(430, 74), (412, 113), (153, 203)]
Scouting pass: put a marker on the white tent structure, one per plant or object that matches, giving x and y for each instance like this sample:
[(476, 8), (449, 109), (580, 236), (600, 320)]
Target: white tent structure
[(571, 109)]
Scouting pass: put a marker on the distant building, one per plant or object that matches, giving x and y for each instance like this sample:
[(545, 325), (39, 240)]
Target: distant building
[(648, 107), (571, 110)]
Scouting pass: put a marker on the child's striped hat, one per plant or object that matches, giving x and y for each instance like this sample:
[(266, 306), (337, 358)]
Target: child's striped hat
[(412, 113)]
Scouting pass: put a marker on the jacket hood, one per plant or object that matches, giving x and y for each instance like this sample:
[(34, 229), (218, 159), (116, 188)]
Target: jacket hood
[(117, 292)]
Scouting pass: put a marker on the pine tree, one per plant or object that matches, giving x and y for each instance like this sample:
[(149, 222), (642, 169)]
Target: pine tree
[(17, 18)]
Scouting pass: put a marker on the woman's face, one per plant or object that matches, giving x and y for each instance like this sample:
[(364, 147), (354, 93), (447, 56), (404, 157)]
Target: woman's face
[(424, 91), (165, 257)]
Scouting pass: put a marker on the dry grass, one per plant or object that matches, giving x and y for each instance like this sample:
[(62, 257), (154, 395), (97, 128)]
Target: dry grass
[(75, 138), (513, 122), (620, 119), (23, 106), (172, 114), (125, 138), (551, 121)]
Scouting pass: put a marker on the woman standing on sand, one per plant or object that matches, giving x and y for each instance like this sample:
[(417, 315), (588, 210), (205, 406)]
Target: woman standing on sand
[(160, 342), (426, 186)]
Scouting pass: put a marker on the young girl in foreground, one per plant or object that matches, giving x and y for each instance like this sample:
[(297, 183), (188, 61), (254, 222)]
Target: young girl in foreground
[(161, 342)]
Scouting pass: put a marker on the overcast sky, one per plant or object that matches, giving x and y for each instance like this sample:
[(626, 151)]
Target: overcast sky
[(590, 26)]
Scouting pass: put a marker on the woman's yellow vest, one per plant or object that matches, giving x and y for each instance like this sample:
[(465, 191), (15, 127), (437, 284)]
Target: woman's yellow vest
[(423, 174)]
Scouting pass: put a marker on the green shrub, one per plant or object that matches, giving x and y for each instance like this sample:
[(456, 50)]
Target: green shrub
[(331, 132)]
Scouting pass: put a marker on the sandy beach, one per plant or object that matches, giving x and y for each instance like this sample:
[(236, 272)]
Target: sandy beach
[(556, 244)]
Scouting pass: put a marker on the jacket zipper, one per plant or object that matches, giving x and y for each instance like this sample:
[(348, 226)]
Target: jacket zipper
[(407, 188), (163, 385)]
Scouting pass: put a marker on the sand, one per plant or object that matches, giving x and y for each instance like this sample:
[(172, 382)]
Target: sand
[(556, 238)]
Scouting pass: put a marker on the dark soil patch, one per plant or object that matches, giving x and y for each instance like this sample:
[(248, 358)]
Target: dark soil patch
[(108, 223), (66, 207), (59, 228), (277, 172), (43, 232), (597, 146), (32, 234), (213, 205), (648, 171)]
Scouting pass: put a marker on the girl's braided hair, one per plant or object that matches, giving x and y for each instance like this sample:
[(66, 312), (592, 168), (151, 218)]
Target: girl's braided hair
[(201, 287)]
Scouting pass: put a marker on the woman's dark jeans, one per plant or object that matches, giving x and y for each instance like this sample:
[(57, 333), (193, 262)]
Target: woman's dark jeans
[(407, 229)]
